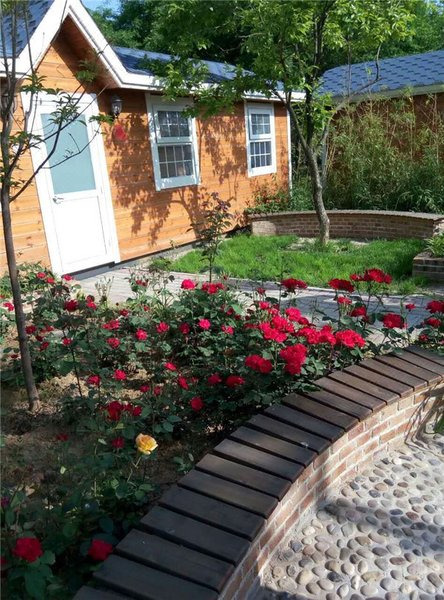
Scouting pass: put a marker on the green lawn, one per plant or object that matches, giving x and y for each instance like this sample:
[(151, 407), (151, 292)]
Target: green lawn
[(273, 257)]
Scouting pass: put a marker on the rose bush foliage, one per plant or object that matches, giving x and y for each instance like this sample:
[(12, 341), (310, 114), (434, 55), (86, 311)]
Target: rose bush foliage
[(154, 368)]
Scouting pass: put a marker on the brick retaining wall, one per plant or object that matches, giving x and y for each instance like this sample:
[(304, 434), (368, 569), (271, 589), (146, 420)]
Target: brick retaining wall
[(213, 533), (355, 224)]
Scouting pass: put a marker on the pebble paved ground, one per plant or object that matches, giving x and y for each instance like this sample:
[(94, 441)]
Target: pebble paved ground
[(381, 536), (311, 302)]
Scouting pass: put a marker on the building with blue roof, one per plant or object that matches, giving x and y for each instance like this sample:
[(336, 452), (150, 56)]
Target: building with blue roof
[(139, 186)]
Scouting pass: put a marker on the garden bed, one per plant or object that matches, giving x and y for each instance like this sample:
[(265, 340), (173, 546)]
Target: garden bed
[(125, 389)]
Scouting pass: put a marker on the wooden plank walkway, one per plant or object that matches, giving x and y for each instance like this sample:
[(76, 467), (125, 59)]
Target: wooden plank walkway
[(187, 547)]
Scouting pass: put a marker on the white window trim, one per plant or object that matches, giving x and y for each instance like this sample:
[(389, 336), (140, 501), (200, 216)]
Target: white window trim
[(251, 108), (155, 103)]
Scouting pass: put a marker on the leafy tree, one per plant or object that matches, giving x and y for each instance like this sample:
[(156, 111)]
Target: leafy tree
[(17, 139), (287, 45)]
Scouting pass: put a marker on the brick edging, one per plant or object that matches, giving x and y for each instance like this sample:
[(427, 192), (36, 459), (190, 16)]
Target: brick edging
[(214, 532), (358, 224)]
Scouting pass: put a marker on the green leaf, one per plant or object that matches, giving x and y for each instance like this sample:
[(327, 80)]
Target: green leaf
[(35, 584), (106, 524)]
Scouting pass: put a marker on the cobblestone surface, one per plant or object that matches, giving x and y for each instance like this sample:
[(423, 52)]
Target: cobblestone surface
[(381, 536)]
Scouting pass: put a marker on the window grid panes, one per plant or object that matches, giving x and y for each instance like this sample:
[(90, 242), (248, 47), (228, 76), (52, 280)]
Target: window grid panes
[(260, 124), (260, 154), (172, 123), (175, 160)]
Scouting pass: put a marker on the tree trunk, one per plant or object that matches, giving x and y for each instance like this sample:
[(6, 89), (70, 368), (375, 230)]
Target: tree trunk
[(316, 179), (20, 319), (318, 197)]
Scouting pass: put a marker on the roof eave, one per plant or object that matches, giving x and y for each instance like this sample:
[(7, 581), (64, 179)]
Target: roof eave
[(387, 94)]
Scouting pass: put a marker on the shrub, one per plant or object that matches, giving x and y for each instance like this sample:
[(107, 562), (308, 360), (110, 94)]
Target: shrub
[(436, 245), (387, 155)]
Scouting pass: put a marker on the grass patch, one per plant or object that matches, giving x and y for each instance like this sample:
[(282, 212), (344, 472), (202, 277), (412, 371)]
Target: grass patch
[(274, 257)]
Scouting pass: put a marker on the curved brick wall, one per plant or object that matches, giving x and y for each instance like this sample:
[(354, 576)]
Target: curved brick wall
[(336, 465), (365, 224), (212, 534)]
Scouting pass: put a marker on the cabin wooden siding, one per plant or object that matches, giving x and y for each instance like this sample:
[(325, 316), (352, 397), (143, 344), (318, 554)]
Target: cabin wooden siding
[(146, 220)]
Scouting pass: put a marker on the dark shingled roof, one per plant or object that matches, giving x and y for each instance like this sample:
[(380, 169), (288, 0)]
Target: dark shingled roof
[(36, 11), (402, 72), (131, 60)]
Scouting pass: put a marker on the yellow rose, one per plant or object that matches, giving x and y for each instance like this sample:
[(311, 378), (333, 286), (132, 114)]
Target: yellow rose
[(145, 443)]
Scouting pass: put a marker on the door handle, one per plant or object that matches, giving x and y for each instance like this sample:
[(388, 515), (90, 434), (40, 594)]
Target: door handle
[(57, 199)]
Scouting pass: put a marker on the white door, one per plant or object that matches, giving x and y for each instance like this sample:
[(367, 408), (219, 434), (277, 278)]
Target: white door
[(74, 189)]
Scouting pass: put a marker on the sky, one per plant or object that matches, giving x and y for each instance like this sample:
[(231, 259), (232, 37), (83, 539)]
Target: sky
[(114, 4)]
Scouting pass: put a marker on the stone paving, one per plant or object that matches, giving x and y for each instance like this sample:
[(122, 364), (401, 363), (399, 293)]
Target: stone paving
[(313, 302), (381, 536)]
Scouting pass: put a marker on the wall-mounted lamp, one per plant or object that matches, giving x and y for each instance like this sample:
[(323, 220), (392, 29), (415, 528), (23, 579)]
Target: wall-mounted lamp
[(116, 106)]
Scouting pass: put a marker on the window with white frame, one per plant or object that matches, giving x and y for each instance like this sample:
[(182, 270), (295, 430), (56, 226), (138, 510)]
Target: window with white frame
[(261, 146), (174, 145)]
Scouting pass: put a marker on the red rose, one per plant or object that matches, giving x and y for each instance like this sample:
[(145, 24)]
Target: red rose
[(157, 390), (270, 333), (435, 306), (342, 285), (71, 305), (294, 314), (118, 443), (392, 321), (376, 275), (113, 324), (114, 410), (196, 403), (263, 305), (182, 382), (137, 411), (43, 346), (62, 437), (100, 550), (184, 328), (113, 342), (170, 366), (261, 291), (67, 341), (67, 277), (349, 338), (233, 381), (187, 284), (293, 284), (212, 288), (141, 335), (259, 364), (433, 322), (31, 329), (9, 306), (204, 324), (294, 357), (41, 275), (214, 379), (93, 380), (358, 311), (28, 548), (162, 327), (119, 375), (227, 329), (92, 305), (144, 388), (343, 300), (410, 306), (123, 312), (326, 336)]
